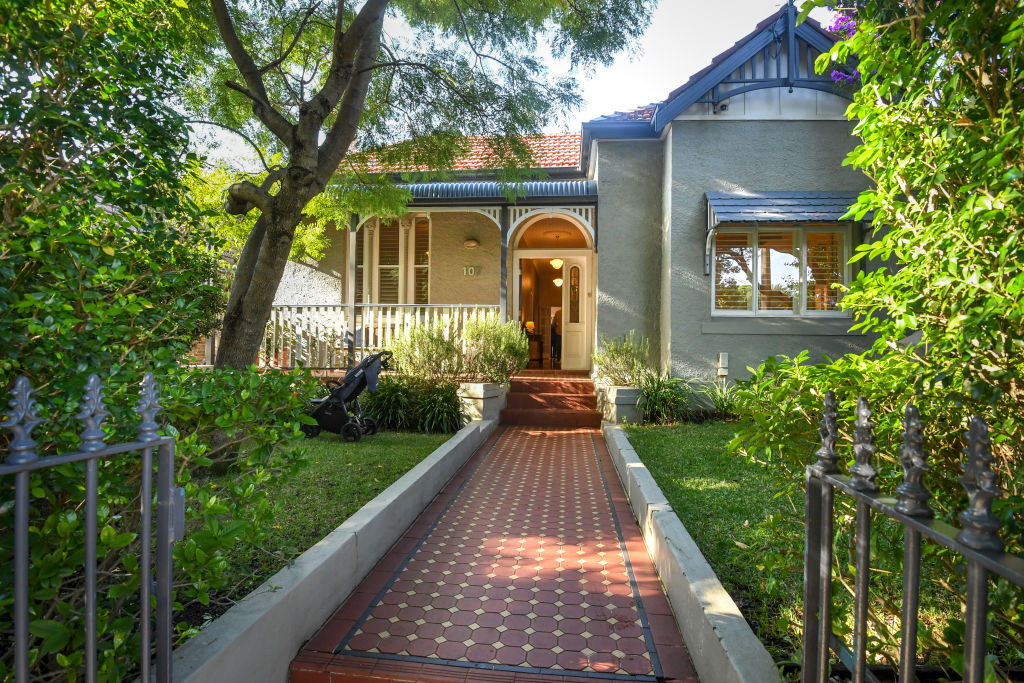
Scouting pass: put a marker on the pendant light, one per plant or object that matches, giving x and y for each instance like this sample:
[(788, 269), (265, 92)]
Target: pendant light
[(556, 263), (558, 282)]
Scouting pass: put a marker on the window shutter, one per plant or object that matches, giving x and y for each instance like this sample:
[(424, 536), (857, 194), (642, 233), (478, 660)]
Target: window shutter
[(421, 261), (387, 264)]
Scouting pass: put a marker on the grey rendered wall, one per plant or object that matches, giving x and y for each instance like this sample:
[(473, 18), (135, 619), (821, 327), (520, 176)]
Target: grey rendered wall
[(316, 283), (629, 238), (733, 156), (448, 256)]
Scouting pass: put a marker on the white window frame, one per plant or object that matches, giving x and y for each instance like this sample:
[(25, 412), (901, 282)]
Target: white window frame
[(406, 264), (800, 232)]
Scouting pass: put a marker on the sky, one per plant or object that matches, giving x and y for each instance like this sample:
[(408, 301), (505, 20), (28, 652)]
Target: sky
[(683, 37)]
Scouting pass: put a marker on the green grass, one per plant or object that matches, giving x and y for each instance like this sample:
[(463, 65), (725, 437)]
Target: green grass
[(729, 506), (339, 479)]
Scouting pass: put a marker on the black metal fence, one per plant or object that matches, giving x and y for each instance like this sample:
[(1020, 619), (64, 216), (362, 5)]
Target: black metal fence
[(977, 542), (23, 459)]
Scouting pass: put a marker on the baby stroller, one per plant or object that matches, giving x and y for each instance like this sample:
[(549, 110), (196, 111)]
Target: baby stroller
[(340, 411)]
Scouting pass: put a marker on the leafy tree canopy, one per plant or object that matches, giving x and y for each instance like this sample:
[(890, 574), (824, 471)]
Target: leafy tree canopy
[(331, 92)]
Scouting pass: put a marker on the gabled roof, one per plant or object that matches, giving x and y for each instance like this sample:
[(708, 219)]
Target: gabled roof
[(552, 151), (649, 120)]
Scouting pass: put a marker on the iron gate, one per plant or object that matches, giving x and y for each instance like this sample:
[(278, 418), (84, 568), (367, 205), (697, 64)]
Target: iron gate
[(23, 459), (977, 542)]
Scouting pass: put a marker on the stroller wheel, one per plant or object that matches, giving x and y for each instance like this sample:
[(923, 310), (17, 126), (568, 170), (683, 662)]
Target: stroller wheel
[(311, 431), (351, 432), (369, 426)]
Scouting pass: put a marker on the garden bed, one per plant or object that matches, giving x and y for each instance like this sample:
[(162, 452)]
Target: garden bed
[(339, 479), (721, 499)]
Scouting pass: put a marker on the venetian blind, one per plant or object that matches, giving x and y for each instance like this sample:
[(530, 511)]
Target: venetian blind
[(778, 270), (824, 270)]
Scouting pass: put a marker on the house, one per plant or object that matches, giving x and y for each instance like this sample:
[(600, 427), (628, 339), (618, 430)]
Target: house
[(708, 222)]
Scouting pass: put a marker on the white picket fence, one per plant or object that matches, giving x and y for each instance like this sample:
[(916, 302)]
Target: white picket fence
[(318, 336)]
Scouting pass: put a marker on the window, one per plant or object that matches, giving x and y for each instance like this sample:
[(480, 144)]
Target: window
[(392, 268), (779, 271), (421, 262)]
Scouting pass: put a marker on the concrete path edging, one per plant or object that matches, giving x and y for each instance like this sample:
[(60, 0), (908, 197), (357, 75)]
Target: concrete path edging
[(257, 639), (721, 644)]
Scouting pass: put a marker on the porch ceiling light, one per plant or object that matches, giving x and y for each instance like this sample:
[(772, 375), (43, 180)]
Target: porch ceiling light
[(471, 243), (558, 282), (556, 263)]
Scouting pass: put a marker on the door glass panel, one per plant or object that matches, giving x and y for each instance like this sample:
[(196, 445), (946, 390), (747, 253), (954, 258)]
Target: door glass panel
[(574, 294), (778, 266)]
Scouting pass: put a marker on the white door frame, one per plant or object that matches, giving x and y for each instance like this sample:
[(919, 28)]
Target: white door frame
[(588, 286)]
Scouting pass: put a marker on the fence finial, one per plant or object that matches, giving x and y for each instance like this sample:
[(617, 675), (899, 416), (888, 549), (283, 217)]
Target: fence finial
[(863, 472), (914, 494), (148, 406), (827, 456), (21, 420), (92, 415), (980, 527)]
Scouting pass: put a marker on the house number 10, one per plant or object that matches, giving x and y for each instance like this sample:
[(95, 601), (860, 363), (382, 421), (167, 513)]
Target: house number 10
[(471, 271)]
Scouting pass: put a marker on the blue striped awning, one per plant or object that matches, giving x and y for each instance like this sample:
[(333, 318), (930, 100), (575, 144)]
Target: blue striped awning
[(778, 207), (493, 190)]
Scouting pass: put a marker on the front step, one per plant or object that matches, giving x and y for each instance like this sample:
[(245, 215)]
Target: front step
[(552, 399), (551, 418), (551, 386)]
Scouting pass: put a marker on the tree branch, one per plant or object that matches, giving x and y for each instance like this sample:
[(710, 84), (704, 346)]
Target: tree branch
[(245, 196), (295, 41), (257, 91), (240, 134), (343, 132)]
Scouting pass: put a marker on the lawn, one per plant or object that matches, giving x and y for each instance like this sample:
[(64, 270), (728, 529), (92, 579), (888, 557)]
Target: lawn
[(729, 506), (339, 479)]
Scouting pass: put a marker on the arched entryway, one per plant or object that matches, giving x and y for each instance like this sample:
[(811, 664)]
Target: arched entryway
[(552, 272)]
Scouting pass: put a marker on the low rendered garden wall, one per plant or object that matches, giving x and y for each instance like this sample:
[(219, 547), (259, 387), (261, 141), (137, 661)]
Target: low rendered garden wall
[(722, 646), (257, 639)]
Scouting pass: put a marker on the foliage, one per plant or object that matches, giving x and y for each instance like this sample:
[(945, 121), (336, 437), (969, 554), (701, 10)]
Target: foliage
[(723, 397), (392, 404), (430, 352), (622, 361), (340, 478), (338, 94), (495, 351), (939, 114), (438, 408), (664, 399)]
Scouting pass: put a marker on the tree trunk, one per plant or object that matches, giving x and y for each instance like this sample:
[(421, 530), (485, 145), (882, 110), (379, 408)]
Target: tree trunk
[(259, 272)]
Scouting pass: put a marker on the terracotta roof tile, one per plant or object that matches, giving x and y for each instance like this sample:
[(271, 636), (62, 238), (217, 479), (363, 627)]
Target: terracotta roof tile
[(558, 150)]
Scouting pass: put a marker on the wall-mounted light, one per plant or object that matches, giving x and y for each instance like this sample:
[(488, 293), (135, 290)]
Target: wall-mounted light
[(556, 263), (471, 243), (558, 282)]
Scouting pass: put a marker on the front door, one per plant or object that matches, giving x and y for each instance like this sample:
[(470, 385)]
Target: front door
[(575, 314)]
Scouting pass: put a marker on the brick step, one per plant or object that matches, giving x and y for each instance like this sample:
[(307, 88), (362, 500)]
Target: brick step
[(552, 401), (526, 417), (551, 386)]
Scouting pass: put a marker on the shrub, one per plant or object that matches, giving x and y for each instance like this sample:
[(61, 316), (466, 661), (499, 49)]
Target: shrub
[(438, 408), (622, 360), (259, 414), (724, 398), (392, 404), (429, 352), (664, 399), (495, 351)]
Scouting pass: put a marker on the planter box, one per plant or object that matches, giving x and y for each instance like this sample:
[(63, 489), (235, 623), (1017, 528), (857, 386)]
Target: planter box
[(483, 400), (618, 404)]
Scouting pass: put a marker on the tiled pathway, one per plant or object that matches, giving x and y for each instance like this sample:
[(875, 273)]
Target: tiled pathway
[(527, 567)]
